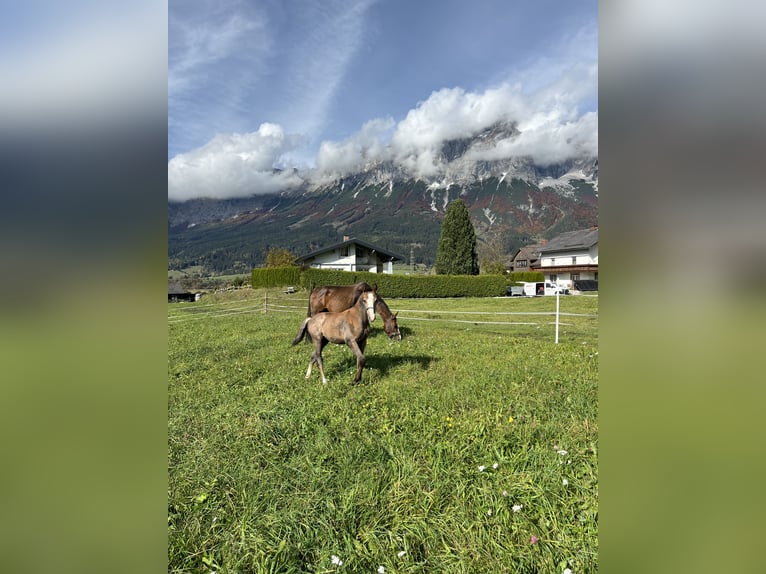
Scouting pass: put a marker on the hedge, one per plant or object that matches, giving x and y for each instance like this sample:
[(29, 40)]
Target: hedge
[(395, 285), (525, 277), (276, 276)]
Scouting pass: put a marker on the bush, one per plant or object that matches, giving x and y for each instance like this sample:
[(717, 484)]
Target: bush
[(394, 285), (525, 277), (276, 276)]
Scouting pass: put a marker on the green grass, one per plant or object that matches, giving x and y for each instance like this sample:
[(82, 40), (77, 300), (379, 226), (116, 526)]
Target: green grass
[(269, 472)]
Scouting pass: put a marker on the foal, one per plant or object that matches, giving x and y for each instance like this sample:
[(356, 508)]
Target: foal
[(350, 327), (336, 298)]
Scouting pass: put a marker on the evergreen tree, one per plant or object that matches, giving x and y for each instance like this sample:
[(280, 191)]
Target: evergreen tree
[(456, 254)]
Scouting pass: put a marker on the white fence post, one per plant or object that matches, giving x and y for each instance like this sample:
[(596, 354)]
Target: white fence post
[(557, 317)]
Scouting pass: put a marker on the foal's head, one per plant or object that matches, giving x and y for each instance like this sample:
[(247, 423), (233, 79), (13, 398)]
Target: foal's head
[(368, 299)]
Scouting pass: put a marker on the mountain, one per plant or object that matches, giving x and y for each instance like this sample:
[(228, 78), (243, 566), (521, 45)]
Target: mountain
[(511, 199)]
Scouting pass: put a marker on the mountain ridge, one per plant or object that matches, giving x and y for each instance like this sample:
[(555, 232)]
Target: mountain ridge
[(511, 199)]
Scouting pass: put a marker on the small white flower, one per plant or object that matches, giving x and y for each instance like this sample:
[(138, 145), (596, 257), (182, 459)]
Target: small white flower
[(337, 561), (402, 553), (505, 493), (489, 512), (565, 482), (381, 570), (495, 465), (517, 507), (481, 468), (567, 571), (563, 452), (569, 462)]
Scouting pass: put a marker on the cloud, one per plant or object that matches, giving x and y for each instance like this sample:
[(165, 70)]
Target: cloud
[(446, 115), (549, 126), (234, 165), (336, 159), (551, 141)]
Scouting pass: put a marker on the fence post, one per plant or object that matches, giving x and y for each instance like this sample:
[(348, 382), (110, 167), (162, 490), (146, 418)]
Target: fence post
[(557, 317)]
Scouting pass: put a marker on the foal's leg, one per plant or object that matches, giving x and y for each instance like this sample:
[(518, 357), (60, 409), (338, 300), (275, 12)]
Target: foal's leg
[(317, 354), (359, 359)]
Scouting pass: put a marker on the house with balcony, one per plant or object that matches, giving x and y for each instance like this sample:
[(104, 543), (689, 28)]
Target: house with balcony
[(570, 258), (352, 254)]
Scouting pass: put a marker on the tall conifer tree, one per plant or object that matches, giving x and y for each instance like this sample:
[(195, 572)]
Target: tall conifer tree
[(456, 254)]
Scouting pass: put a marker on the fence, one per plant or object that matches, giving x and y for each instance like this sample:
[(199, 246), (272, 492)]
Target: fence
[(277, 301)]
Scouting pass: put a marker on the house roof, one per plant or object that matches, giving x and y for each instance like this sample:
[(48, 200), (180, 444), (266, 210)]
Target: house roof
[(529, 252), (382, 253), (582, 239), (174, 288)]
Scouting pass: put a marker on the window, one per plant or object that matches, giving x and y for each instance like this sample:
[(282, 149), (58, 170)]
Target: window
[(553, 261), (344, 251), (575, 276), (554, 277), (521, 263), (574, 260)]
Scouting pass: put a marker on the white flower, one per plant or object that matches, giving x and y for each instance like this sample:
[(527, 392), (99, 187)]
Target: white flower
[(569, 462), (481, 468), (567, 571), (517, 507), (489, 512), (381, 570), (563, 452), (337, 561), (565, 482), (495, 465), (505, 493), (402, 553)]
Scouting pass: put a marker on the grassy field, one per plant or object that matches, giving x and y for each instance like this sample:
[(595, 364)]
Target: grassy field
[(469, 446)]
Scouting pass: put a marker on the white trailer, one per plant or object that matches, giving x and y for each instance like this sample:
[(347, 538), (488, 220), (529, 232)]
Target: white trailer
[(534, 289)]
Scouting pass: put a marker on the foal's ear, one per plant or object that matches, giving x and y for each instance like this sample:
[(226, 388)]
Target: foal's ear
[(375, 287), (395, 314)]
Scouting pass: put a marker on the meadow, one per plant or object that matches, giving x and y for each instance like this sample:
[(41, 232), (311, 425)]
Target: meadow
[(469, 446)]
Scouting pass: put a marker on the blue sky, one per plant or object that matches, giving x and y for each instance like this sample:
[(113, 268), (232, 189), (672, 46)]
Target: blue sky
[(259, 83)]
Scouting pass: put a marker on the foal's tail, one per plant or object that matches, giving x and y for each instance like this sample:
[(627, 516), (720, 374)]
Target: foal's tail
[(302, 332)]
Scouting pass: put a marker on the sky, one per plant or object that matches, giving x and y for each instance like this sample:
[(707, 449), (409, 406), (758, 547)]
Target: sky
[(326, 87)]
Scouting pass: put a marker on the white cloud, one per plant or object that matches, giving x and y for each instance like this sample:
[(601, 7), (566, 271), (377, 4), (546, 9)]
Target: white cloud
[(550, 128), (551, 141), (233, 165), (336, 159)]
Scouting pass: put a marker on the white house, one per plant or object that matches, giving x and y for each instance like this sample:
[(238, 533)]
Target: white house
[(570, 257), (352, 255)]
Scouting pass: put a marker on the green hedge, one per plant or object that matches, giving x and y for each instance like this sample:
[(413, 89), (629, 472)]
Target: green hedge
[(395, 285), (276, 276), (525, 277)]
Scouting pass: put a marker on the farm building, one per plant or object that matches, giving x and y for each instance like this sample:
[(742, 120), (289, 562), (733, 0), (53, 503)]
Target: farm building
[(176, 293), (352, 254), (526, 258), (570, 258)]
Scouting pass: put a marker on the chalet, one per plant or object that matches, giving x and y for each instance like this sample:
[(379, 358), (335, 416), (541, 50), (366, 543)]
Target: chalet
[(525, 258), (570, 258), (352, 255), (176, 293)]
